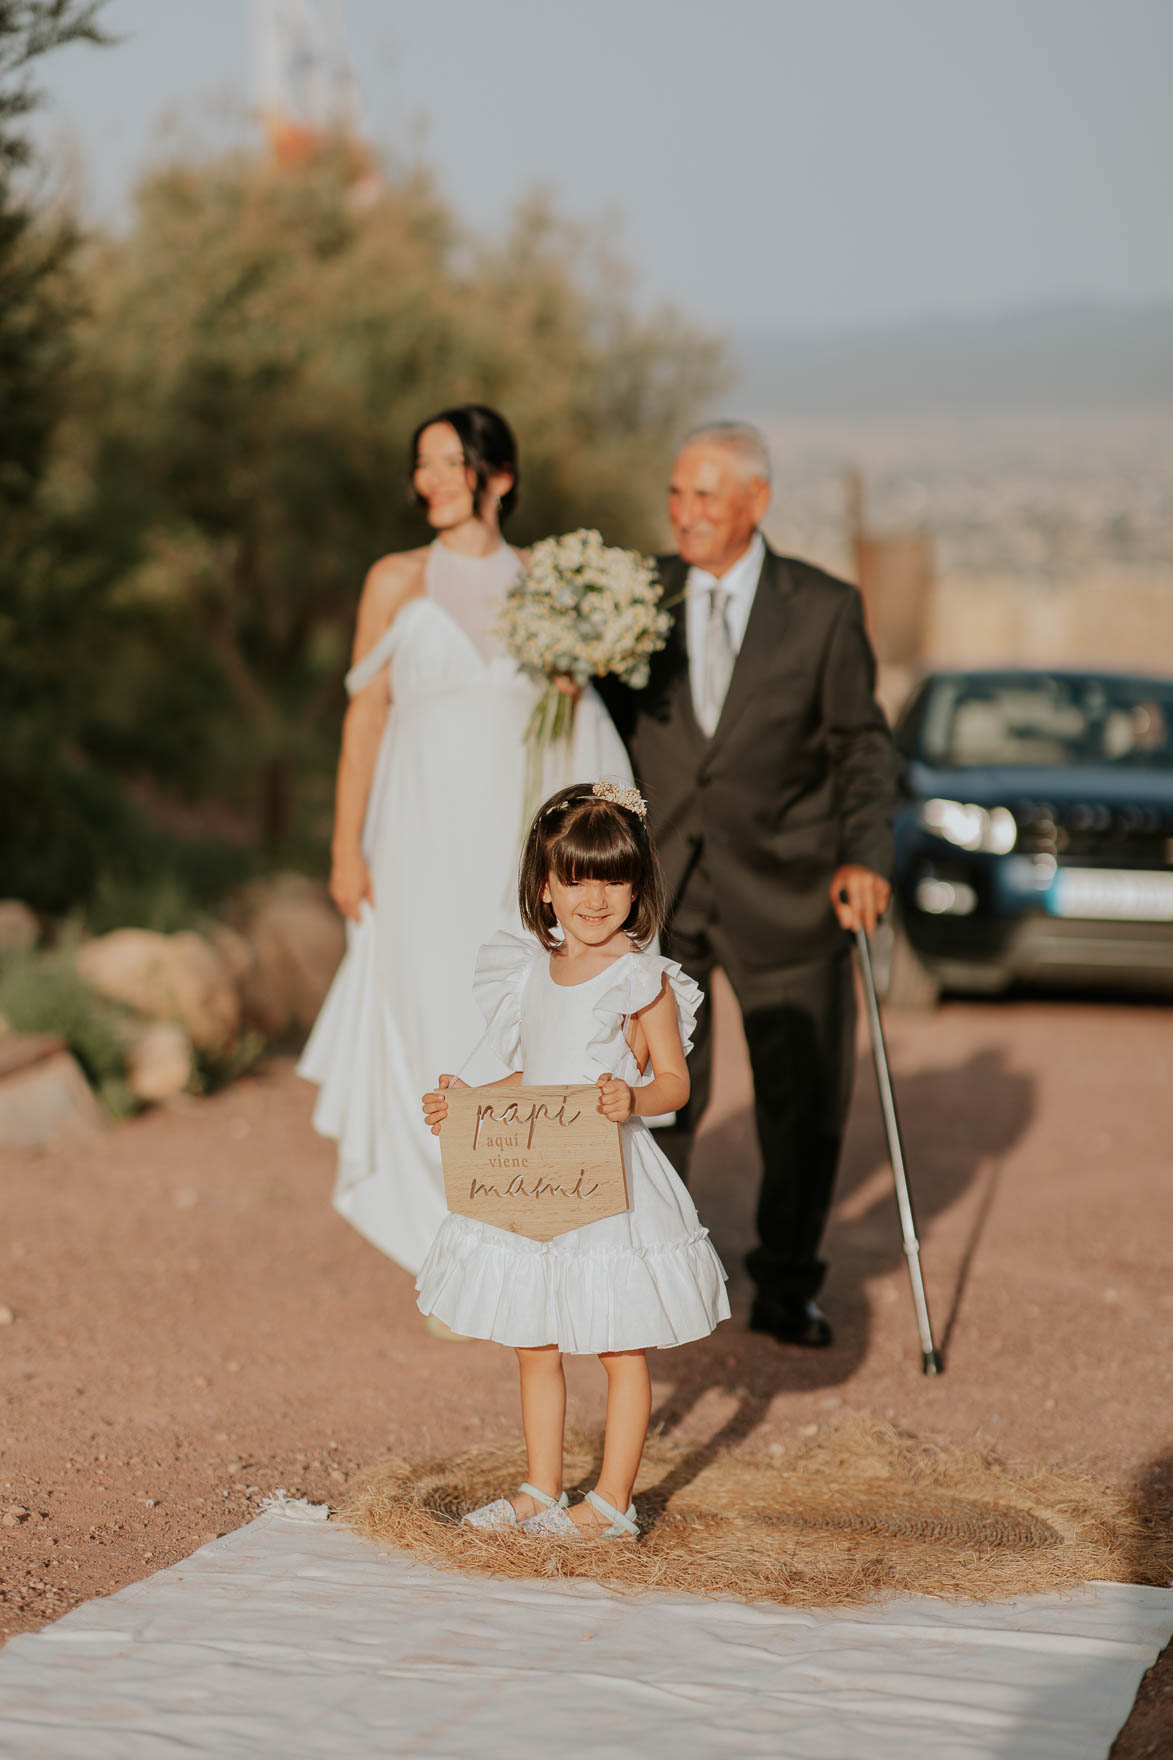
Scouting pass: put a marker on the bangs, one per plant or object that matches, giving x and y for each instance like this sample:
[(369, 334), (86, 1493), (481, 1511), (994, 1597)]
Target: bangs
[(595, 846)]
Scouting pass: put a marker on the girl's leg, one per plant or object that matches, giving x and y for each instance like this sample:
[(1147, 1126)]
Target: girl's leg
[(629, 1408), (543, 1417)]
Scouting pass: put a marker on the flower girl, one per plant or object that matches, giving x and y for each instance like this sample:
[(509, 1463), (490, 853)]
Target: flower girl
[(586, 1004)]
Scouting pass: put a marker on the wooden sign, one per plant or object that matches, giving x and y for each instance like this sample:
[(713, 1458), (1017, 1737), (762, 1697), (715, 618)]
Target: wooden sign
[(535, 1161)]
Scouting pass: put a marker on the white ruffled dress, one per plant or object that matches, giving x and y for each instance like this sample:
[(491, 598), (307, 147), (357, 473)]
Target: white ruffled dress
[(646, 1278)]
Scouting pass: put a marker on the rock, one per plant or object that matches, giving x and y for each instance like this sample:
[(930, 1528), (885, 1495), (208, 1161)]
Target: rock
[(44, 1097), (159, 1061), (19, 928), (166, 978), (297, 939), (234, 950)]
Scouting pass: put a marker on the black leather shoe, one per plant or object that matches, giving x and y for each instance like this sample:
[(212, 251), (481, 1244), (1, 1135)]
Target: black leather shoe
[(805, 1325)]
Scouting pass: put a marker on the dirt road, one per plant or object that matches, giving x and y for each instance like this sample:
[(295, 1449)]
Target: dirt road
[(193, 1327)]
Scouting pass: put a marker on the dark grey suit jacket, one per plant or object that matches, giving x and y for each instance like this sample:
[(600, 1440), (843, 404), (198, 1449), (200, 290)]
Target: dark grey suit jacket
[(798, 777)]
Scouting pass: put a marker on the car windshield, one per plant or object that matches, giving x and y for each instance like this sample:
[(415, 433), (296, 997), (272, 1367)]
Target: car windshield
[(1046, 718)]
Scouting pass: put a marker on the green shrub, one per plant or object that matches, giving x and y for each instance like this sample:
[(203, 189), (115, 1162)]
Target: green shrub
[(159, 882), (83, 847), (43, 994), (219, 1069)]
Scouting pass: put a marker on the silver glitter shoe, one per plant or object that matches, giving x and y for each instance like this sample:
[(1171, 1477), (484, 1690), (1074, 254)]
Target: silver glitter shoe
[(555, 1521), (552, 1521), (501, 1513)]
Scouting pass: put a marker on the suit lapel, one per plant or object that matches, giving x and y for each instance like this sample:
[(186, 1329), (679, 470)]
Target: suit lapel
[(757, 656)]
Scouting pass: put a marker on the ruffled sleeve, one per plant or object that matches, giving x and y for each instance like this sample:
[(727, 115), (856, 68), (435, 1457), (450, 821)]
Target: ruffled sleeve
[(503, 965), (639, 979)]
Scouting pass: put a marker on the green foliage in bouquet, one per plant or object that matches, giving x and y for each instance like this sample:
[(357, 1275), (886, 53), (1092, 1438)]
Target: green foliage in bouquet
[(582, 609)]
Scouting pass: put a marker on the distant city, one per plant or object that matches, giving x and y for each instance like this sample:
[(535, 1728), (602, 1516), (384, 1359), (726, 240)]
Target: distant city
[(1042, 498), (1035, 446)]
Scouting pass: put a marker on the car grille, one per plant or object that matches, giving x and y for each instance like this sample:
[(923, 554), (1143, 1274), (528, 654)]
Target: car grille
[(1134, 836)]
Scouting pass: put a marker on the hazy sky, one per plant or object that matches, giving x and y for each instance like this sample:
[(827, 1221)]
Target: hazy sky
[(769, 163)]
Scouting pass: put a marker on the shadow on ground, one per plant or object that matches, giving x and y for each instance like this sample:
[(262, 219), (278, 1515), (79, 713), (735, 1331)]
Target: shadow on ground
[(959, 1122)]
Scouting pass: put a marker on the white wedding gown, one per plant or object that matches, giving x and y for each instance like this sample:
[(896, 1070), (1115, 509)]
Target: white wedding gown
[(441, 839)]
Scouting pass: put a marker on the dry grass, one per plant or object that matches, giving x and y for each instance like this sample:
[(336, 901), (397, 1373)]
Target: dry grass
[(858, 1513)]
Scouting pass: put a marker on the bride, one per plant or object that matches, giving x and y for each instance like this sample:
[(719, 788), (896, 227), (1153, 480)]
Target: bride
[(426, 829)]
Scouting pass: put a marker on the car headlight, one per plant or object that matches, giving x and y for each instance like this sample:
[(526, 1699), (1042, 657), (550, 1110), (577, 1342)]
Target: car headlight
[(993, 830)]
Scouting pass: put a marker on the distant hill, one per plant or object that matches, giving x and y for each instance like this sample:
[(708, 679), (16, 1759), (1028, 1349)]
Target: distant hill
[(1078, 357)]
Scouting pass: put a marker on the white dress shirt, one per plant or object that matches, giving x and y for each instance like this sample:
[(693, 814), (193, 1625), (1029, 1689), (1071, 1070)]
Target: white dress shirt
[(741, 583)]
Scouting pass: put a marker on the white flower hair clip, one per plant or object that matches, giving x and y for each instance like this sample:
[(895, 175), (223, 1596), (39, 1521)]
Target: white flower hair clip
[(628, 798)]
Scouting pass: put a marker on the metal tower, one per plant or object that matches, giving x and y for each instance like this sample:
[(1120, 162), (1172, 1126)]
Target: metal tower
[(303, 85)]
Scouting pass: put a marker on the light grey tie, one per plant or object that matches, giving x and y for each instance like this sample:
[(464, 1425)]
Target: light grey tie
[(718, 659)]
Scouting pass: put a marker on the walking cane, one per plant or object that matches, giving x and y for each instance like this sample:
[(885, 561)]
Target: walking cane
[(931, 1361)]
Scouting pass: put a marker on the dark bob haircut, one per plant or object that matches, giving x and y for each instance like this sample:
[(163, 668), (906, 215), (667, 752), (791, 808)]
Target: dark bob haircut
[(486, 439), (579, 836)]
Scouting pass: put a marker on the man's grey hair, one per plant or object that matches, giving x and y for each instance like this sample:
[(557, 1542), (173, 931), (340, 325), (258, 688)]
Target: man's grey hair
[(740, 438)]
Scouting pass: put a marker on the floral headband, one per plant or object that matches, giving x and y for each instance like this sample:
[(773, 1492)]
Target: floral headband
[(630, 799)]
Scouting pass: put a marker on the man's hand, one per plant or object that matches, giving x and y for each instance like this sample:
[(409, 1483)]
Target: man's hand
[(865, 897), (616, 1100)]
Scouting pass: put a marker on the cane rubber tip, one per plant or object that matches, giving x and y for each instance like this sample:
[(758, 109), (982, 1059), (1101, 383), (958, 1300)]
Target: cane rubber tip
[(932, 1364)]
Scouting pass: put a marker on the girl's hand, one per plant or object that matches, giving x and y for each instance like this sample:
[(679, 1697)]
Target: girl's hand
[(350, 884), (436, 1103), (616, 1100), (564, 683)]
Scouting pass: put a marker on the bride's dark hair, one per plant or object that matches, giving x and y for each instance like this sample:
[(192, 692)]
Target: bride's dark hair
[(487, 441)]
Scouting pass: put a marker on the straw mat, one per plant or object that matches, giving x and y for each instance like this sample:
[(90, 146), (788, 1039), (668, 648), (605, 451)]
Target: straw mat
[(855, 1514)]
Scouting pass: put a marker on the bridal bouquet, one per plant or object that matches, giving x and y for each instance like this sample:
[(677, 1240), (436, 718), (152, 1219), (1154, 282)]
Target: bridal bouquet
[(580, 610)]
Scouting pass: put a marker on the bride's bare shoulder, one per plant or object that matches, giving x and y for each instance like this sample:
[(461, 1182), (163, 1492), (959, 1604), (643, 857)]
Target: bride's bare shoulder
[(390, 583), (395, 578)]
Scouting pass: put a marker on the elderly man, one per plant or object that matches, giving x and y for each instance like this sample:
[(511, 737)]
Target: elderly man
[(770, 774)]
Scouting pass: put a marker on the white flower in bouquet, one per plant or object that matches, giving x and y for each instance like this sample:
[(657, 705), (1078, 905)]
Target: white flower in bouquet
[(582, 609)]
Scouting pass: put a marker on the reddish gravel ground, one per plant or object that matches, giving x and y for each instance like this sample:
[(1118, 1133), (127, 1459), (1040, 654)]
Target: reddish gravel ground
[(193, 1327)]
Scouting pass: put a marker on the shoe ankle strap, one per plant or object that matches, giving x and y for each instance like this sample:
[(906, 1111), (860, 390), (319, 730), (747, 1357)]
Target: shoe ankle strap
[(627, 1522), (542, 1497)]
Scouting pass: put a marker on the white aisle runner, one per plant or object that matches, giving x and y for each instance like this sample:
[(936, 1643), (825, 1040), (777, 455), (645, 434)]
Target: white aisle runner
[(293, 1638)]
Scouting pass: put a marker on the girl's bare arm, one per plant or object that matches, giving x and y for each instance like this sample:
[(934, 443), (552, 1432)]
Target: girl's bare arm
[(656, 1034)]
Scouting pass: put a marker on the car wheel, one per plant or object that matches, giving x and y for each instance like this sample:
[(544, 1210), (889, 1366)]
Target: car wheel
[(906, 983)]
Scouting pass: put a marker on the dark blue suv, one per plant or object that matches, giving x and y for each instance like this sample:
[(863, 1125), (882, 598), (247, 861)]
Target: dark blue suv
[(1035, 840)]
